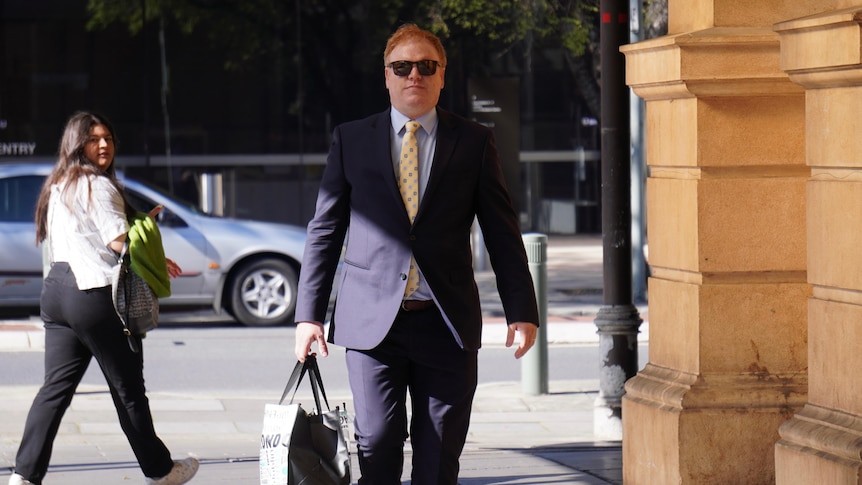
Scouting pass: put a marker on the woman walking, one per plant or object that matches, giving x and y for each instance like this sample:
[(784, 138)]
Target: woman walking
[(83, 217)]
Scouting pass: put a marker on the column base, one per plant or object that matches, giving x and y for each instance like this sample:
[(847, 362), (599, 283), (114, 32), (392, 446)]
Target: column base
[(705, 429), (819, 445)]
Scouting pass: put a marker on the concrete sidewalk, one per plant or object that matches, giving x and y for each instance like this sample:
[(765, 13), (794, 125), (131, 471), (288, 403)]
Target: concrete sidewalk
[(514, 438)]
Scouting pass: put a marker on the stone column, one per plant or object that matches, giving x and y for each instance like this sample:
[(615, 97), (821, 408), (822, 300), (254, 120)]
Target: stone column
[(726, 229), (823, 442)]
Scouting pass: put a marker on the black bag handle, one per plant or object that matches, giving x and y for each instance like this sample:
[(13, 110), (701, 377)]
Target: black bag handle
[(293, 380), (317, 383), (299, 370)]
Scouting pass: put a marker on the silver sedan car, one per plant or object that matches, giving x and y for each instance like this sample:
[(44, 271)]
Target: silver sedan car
[(248, 268)]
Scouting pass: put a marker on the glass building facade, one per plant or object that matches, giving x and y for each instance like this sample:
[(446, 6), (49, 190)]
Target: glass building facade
[(260, 132)]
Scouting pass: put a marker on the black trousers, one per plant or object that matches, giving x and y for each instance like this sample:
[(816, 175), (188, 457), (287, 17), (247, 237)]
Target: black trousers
[(421, 356), (80, 325)]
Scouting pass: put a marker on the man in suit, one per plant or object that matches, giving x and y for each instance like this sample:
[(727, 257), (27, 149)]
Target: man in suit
[(402, 336)]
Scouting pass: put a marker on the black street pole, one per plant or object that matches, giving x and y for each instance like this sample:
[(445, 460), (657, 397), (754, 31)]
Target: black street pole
[(618, 318), (144, 77)]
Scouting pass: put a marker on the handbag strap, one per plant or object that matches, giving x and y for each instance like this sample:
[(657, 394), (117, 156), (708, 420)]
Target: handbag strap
[(299, 371), (317, 384), (294, 380)]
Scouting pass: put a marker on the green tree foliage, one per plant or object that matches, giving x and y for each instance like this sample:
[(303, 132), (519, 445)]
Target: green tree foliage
[(655, 18), (326, 44)]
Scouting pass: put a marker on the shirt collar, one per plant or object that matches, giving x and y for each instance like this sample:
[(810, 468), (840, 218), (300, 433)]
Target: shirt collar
[(428, 120)]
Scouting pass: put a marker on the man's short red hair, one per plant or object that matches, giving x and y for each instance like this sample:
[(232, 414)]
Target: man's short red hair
[(408, 32)]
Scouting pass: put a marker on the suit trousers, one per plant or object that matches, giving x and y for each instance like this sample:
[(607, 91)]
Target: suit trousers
[(419, 356), (80, 325)]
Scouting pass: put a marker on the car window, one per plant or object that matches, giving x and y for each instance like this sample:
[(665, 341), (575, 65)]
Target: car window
[(142, 203), (139, 202), (18, 197), (191, 207)]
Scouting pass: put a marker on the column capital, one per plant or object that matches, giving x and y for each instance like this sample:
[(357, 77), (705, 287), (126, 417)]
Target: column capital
[(720, 61), (823, 50)]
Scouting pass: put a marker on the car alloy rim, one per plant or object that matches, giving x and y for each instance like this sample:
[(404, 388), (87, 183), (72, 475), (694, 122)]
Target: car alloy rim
[(266, 294)]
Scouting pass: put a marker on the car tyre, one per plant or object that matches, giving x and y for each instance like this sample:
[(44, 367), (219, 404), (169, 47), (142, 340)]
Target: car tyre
[(263, 293)]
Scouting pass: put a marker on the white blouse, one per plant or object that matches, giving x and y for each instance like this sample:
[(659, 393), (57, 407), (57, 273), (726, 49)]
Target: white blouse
[(81, 223)]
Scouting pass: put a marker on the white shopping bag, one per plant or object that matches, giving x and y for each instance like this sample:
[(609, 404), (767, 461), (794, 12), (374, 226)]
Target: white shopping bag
[(278, 422)]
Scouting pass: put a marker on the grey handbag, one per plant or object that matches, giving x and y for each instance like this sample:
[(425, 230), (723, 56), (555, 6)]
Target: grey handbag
[(136, 303)]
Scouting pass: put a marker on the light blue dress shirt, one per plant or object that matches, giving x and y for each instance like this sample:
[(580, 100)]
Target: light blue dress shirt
[(426, 136)]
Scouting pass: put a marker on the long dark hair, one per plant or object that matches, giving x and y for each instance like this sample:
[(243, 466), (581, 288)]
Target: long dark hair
[(72, 165)]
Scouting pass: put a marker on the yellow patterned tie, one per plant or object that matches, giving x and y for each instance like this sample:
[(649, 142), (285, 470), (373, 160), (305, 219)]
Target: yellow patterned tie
[(408, 185)]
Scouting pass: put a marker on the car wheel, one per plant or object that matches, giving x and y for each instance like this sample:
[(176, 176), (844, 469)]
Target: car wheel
[(263, 293)]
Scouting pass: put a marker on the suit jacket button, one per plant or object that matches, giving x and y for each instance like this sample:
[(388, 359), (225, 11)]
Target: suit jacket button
[(403, 276), (412, 237)]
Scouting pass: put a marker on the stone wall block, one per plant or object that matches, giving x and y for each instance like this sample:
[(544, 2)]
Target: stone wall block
[(833, 128), (835, 341), (673, 236), (766, 132), (674, 315), (752, 328), (751, 224), (672, 131), (834, 227), (734, 446), (756, 329), (762, 132), (727, 224)]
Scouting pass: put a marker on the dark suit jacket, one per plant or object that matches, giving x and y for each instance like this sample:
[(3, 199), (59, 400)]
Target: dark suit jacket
[(359, 190)]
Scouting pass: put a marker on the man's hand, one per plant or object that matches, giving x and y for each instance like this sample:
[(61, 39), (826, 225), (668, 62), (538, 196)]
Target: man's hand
[(306, 334), (528, 332)]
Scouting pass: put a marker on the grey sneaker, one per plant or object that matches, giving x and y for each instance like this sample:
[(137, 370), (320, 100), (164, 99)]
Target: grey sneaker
[(16, 479), (182, 472)]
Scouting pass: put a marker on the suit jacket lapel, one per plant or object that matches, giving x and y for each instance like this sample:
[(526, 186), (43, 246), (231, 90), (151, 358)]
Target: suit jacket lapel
[(381, 153), (447, 135)]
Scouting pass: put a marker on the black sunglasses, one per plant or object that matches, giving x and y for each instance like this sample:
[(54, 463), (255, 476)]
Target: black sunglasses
[(426, 67)]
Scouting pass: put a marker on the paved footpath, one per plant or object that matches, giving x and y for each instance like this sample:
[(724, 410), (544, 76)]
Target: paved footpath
[(514, 438)]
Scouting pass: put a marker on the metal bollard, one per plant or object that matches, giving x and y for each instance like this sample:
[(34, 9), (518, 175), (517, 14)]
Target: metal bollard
[(534, 365)]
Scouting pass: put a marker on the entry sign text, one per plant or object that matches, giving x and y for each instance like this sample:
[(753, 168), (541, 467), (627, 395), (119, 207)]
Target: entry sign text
[(17, 148)]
